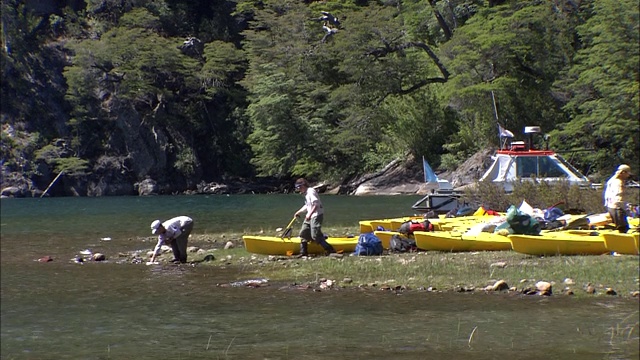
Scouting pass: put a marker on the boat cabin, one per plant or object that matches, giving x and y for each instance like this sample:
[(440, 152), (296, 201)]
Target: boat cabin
[(519, 160)]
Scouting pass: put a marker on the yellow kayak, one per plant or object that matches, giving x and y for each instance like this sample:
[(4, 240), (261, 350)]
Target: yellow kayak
[(560, 243), (621, 243), (442, 223), (385, 237), (274, 245), (458, 241), (392, 224), (365, 226)]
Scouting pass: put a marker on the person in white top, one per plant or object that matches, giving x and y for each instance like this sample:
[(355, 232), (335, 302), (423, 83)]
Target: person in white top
[(613, 198), (174, 232), (312, 226)]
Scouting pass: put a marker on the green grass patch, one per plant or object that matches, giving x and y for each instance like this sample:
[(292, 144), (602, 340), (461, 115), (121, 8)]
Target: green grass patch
[(443, 271)]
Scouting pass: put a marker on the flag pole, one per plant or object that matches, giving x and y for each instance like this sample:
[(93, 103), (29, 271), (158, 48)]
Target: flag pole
[(495, 112), (495, 108)]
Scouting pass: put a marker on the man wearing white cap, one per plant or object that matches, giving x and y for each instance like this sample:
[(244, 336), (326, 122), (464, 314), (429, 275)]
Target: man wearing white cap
[(175, 232), (613, 198)]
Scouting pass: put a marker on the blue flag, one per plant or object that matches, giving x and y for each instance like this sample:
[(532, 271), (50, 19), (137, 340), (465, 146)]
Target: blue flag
[(429, 174)]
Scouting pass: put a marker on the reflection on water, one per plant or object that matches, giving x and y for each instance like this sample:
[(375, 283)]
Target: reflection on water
[(62, 310), (102, 310)]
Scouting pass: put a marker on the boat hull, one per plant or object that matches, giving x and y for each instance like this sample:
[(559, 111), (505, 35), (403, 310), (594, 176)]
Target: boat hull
[(457, 241), (559, 243), (273, 245), (622, 243)]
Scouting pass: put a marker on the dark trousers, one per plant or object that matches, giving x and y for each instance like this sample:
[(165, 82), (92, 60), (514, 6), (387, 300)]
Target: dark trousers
[(619, 217), (179, 245), (312, 231)]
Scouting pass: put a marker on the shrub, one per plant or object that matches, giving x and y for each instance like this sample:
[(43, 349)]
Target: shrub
[(572, 198)]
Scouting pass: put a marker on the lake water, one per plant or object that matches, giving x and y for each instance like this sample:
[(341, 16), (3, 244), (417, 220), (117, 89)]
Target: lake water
[(62, 310)]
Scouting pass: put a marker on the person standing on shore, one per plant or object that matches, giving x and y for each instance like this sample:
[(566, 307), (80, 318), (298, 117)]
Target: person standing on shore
[(176, 232), (312, 225), (613, 198)]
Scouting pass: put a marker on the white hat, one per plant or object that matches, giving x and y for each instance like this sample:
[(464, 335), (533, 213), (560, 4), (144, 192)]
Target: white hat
[(624, 167), (154, 226)]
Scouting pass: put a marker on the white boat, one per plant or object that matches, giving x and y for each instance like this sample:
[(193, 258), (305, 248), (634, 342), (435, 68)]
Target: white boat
[(520, 161)]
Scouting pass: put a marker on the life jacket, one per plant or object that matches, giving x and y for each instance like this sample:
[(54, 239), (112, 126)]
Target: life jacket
[(408, 228)]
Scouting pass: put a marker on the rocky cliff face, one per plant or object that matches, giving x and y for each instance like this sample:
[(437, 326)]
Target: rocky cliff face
[(407, 177), (119, 176)]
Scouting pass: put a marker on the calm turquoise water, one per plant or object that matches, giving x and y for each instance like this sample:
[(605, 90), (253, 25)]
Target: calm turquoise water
[(62, 310)]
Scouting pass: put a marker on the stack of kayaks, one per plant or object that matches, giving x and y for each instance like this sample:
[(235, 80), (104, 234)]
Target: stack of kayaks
[(462, 234), (456, 234), (439, 224)]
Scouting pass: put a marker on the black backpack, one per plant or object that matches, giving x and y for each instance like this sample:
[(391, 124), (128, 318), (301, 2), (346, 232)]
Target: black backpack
[(401, 244)]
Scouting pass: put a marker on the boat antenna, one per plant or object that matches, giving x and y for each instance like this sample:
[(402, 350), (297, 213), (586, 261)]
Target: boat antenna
[(503, 142), (495, 108)]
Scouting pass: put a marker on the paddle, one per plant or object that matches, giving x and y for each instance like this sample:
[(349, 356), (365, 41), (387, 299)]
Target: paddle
[(287, 231), (577, 223)]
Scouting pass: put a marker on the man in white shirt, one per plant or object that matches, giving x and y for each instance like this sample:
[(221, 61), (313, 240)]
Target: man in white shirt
[(613, 198), (312, 225), (175, 232)]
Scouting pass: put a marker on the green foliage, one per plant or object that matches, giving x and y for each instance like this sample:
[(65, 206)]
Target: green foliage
[(515, 51), (186, 162), (270, 88), (72, 166), (604, 83), (58, 158), (48, 153), (541, 195), (17, 148), (421, 124), (224, 64)]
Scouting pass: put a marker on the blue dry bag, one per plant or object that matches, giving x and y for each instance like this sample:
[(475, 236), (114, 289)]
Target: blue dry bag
[(368, 244)]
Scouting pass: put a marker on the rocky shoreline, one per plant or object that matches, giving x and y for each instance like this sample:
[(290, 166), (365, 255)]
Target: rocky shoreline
[(228, 253), (400, 177), (394, 181)]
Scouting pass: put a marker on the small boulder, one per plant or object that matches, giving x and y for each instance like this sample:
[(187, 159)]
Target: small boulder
[(610, 291), (568, 291), (543, 286), (500, 285), (229, 245), (499, 264), (209, 257), (98, 257)]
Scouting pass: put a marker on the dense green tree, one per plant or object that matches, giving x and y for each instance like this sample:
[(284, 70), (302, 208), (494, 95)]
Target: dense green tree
[(514, 50), (603, 85), (315, 98), (32, 85), (340, 90), (129, 64)]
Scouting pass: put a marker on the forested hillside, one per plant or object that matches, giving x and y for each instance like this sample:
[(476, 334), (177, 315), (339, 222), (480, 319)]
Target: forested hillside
[(118, 95)]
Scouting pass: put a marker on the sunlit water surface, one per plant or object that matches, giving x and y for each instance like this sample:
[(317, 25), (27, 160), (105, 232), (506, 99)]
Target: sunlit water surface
[(63, 310)]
